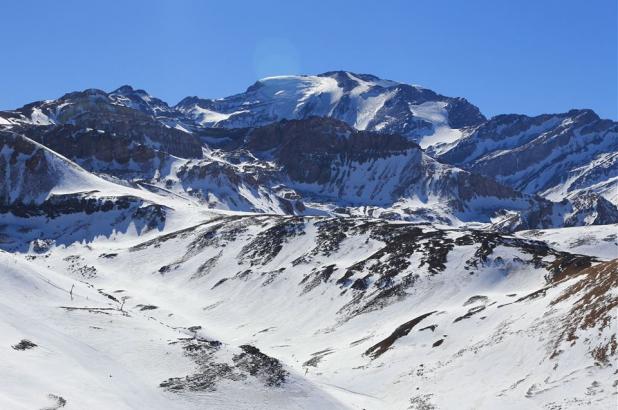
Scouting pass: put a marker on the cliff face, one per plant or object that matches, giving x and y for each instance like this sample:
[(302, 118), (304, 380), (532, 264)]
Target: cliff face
[(550, 155), (340, 141), (95, 111)]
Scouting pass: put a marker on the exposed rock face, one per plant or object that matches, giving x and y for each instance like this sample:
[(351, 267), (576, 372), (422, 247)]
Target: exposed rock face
[(377, 300), (277, 167), (249, 362), (344, 144), (27, 170), (140, 100), (39, 184), (589, 208), (552, 155), (463, 114), (309, 149), (332, 162), (593, 303), (58, 205), (378, 349), (387, 274), (86, 144), (96, 110)]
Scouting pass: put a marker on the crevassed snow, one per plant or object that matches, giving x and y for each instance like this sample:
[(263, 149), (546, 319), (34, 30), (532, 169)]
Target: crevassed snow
[(365, 85), (298, 87)]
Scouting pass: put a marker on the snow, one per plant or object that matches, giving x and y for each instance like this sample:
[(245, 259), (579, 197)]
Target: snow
[(435, 113), (366, 183), (366, 85), (369, 107), (494, 359), (578, 154), (599, 175), (289, 93), (206, 116), (238, 300), (600, 241), (364, 104), (39, 118), (105, 360), (499, 143), (314, 293)]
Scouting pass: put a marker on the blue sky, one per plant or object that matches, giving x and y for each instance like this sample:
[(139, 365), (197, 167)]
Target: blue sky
[(524, 56)]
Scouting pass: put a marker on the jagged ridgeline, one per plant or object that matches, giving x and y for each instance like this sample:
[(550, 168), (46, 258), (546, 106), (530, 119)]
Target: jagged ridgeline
[(330, 241)]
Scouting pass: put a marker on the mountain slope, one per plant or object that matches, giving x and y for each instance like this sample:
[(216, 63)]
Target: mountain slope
[(79, 347), (331, 162), (30, 172), (48, 196), (318, 166), (363, 101), (369, 313), (99, 112), (575, 151), (128, 131), (296, 247), (556, 156)]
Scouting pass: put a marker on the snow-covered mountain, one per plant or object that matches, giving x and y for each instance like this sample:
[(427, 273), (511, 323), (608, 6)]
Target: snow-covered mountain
[(364, 101), (126, 133), (335, 241), (556, 156), (314, 166), (117, 357), (263, 311), (30, 172), (323, 166)]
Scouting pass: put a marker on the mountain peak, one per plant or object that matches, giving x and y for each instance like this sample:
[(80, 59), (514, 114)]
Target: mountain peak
[(140, 100), (88, 92), (124, 89), (584, 114), (349, 75), (127, 91), (364, 101)]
